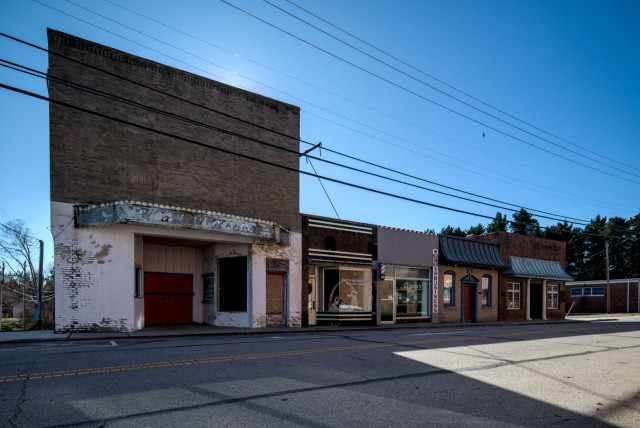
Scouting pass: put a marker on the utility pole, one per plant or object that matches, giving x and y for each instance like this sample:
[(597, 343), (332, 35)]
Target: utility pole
[(37, 313), (24, 305), (606, 247), (1, 295)]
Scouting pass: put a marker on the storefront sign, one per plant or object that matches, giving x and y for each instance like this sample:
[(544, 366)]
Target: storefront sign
[(435, 281)]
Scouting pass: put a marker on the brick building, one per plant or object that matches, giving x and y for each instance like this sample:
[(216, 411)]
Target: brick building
[(532, 287), (338, 258), (590, 297), (163, 209), (469, 279)]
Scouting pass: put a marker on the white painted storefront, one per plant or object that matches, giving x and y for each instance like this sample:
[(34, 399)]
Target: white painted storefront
[(96, 260)]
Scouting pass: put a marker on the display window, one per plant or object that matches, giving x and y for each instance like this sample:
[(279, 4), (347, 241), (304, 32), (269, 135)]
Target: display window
[(346, 290)]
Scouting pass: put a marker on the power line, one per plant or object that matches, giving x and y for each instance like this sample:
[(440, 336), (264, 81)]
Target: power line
[(432, 101), (279, 133), (262, 161), (263, 84), (139, 105), (457, 89), (348, 100)]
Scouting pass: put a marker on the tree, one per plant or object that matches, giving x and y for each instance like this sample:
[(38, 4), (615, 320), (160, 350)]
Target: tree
[(524, 223), (594, 249), (449, 230), (476, 230), (500, 223), (19, 251)]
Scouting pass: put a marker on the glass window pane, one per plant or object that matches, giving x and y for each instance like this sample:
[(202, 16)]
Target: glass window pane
[(597, 291), (576, 292), (412, 298)]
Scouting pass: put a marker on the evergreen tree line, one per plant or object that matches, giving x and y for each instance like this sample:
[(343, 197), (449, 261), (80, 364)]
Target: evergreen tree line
[(586, 253)]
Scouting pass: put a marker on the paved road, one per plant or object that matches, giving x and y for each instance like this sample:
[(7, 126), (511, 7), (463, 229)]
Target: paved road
[(540, 375)]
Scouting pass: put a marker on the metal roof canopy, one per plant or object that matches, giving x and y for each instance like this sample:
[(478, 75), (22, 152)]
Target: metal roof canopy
[(534, 268), (470, 252)]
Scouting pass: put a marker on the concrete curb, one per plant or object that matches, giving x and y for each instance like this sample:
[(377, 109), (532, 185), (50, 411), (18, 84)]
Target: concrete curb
[(50, 336)]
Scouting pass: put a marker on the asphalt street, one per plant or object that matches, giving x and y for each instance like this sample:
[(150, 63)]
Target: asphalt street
[(584, 374)]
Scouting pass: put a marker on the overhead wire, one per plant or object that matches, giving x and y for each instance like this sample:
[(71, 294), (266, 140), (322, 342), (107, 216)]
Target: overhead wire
[(455, 88), (155, 110), (412, 92), (52, 77), (288, 136), (263, 84), (360, 105), (252, 158)]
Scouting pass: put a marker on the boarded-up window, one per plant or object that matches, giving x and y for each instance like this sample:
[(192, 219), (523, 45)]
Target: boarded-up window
[(275, 293), (232, 274)]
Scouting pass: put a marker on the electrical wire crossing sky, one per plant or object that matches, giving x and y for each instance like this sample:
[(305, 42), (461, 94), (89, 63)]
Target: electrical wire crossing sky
[(450, 111)]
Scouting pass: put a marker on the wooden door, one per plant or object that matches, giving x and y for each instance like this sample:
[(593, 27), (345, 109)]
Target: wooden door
[(167, 298), (468, 302)]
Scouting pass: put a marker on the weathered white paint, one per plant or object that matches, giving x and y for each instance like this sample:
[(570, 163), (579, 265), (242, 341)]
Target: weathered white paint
[(138, 302), (95, 273)]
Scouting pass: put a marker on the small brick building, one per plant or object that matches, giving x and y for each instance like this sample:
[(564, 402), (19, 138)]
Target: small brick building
[(469, 279), (532, 287), (167, 204), (590, 297), (338, 258)]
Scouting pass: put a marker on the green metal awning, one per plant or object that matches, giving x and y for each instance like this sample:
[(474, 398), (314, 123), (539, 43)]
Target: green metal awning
[(538, 269)]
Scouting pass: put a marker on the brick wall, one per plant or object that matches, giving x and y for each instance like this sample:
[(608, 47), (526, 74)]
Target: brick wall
[(454, 313), (95, 160), (513, 244)]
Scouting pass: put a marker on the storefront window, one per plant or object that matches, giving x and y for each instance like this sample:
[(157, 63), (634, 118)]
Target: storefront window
[(347, 290), (513, 295), (552, 296), (412, 298), (486, 290), (448, 298)]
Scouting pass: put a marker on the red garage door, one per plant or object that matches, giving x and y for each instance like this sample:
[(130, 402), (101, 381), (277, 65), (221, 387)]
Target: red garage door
[(167, 298)]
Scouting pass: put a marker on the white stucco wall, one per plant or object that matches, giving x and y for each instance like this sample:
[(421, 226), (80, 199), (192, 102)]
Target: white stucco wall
[(293, 253), (94, 274)]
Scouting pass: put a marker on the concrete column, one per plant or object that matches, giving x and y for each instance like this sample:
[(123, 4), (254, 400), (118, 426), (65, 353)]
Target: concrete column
[(528, 285), (544, 298)]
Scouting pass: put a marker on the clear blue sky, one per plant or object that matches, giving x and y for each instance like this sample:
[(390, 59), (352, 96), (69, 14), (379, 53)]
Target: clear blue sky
[(570, 68)]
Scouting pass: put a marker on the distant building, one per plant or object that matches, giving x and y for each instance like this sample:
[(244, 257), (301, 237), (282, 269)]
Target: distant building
[(150, 225), (590, 297)]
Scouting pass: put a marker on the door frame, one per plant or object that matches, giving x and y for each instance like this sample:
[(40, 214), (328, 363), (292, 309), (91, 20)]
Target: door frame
[(473, 283)]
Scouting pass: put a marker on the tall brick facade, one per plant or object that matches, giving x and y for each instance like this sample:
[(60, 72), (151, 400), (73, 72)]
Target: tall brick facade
[(96, 160), (177, 202)]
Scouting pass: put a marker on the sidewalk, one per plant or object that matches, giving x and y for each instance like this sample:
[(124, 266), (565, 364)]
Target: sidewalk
[(206, 330)]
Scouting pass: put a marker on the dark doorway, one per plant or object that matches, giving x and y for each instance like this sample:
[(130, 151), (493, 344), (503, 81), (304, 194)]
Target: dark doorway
[(167, 298), (331, 280), (232, 274), (469, 301), (535, 309)]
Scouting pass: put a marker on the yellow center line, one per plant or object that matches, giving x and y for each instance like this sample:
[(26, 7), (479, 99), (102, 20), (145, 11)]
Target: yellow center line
[(178, 363)]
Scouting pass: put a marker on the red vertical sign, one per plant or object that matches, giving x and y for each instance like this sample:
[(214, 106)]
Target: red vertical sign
[(435, 281)]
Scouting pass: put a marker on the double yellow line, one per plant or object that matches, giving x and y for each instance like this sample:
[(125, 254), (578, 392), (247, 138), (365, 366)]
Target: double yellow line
[(178, 363)]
